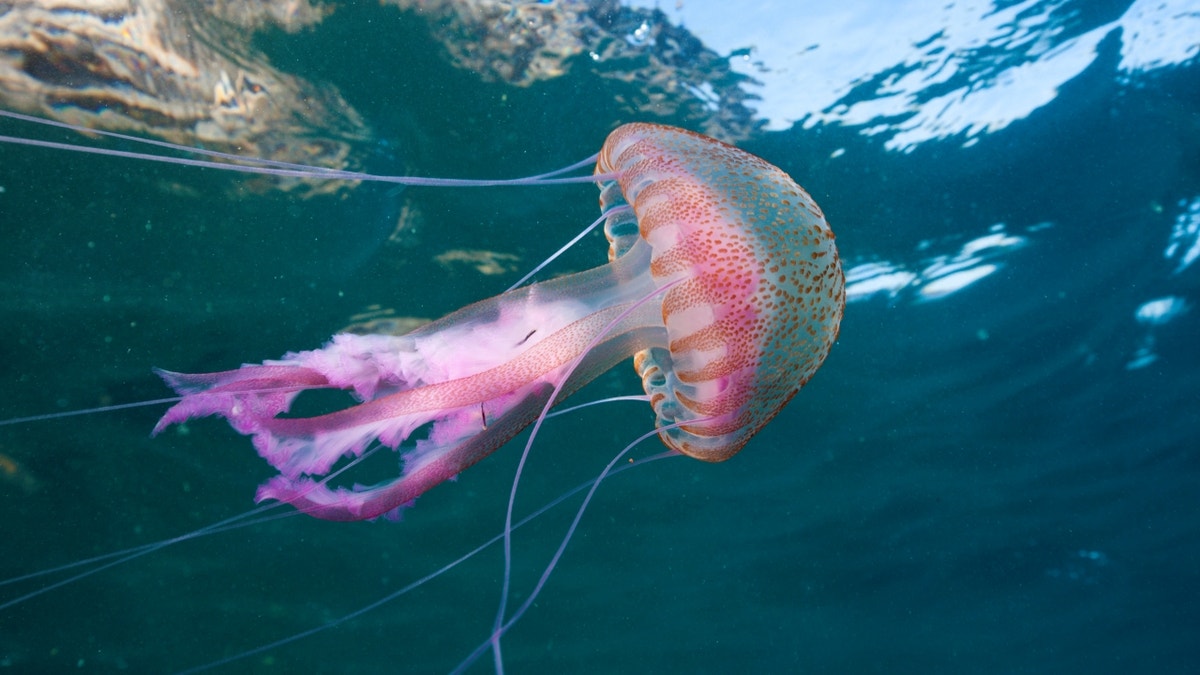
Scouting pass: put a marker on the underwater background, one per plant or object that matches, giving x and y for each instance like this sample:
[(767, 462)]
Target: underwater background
[(995, 471)]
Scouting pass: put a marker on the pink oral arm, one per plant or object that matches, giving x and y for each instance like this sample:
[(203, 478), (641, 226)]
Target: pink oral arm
[(471, 416), (341, 504), (245, 396)]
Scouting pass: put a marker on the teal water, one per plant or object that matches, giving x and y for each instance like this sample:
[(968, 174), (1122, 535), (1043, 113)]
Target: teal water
[(999, 480)]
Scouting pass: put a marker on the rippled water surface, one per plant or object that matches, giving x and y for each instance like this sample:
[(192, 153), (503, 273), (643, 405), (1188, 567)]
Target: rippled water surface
[(995, 471)]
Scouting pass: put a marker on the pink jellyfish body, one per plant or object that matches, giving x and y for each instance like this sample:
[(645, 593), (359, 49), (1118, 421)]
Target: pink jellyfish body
[(723, 282)]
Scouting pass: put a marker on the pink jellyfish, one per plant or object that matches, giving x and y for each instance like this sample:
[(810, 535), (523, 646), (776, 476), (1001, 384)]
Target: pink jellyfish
[(723, 283)]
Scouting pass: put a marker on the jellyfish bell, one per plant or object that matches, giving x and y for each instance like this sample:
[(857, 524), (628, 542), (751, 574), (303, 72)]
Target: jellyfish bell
[(762, 295)]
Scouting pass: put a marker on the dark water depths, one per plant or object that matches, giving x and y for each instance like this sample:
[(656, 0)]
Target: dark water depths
[(1002, 479)]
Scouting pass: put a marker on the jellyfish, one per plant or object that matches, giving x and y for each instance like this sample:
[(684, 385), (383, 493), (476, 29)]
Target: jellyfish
[(723, 284)]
